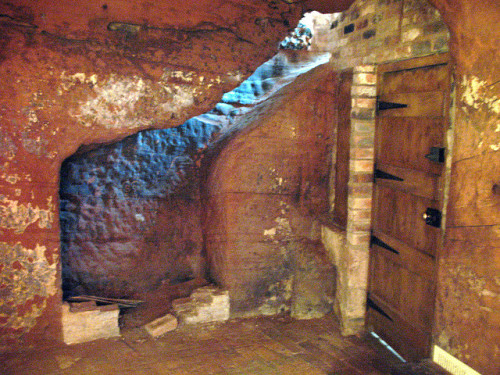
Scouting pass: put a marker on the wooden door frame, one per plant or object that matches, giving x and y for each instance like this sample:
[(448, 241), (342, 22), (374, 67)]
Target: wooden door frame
[(448, 126)]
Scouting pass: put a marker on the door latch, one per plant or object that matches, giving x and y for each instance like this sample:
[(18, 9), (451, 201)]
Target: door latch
[(432, 217), (436, 154)]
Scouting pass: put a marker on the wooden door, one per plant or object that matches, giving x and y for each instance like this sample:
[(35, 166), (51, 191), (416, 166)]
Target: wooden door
[(408, 198)]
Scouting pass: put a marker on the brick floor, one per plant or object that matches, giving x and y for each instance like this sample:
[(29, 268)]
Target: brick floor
[(273, 345)]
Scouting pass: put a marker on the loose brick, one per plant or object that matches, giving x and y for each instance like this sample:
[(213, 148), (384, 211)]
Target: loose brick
[(160, 326), (89, 325), (206, 304)]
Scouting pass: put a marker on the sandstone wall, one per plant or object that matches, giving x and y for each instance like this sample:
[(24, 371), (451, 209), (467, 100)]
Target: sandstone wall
[(130, 213), (468, 302), (84, 72), (262, 191)]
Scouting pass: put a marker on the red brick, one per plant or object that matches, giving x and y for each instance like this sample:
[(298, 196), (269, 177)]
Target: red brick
[(362, 141), (358, 238), (362, 153), (363, 103), (359, 203), (365, 79)]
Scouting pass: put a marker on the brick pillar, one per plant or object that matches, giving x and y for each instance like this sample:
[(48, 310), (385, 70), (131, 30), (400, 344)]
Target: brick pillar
[(353, 270)]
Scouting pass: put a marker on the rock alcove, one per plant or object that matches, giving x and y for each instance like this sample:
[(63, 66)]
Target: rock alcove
[(136, 214)]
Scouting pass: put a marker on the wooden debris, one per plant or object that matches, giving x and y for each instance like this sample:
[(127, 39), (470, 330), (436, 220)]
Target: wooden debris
[(118, 301)]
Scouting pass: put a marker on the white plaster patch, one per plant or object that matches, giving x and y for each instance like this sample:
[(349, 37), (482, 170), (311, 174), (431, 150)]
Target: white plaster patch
[(18, 217), (27, 273), (184, 76), (68, 81), (495, 147), (476, 94), (131, 102), (235, 76), (11, 178), (488, 293), (270, 232)]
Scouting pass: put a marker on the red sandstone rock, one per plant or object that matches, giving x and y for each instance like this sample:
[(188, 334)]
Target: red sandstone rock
[(48, 99), (83, 73)]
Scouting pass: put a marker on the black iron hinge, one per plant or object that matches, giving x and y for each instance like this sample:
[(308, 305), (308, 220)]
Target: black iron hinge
[(376, 241), (370, 304), (383, 106), (386, 176)]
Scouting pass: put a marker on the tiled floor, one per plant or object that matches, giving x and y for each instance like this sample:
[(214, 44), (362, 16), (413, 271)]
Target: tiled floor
[(278, 345)]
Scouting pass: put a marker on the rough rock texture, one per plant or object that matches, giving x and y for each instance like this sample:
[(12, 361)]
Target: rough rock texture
[(130, 213), (468, 304), (85, 72), (63, 63), (259, 192)]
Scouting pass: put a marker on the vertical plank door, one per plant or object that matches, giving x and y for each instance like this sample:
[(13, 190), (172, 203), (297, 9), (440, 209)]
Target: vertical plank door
[(412, 117)]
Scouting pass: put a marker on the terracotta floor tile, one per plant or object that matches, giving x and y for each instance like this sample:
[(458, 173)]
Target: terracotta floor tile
[(257, 346)]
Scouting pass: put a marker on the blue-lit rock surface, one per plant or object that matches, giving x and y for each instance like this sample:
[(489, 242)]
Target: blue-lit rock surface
[(130, 213)]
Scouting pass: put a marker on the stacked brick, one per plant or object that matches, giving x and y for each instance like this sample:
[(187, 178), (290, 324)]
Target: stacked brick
[(373, 31), (360, 185)]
